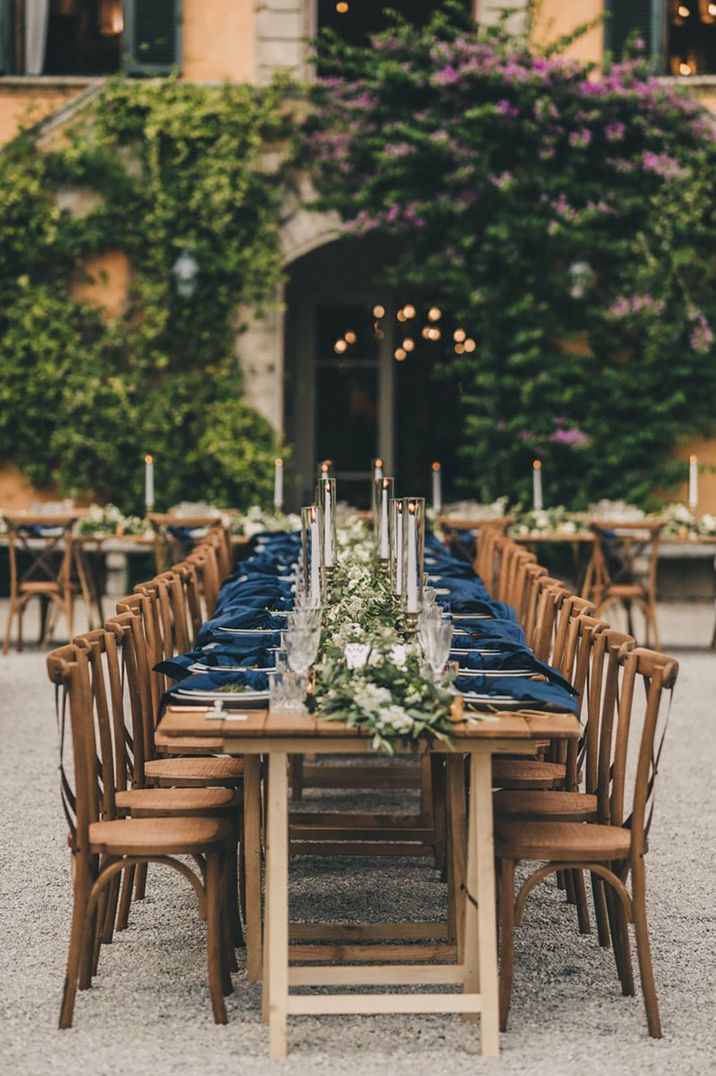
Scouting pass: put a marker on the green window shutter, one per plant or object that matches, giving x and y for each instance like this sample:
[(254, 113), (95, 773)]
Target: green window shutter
[(152, 37), (646, 17), (7, 10)]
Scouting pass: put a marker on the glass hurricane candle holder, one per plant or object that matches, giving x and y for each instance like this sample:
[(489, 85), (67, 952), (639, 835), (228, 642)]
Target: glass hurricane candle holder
[(312, 551), (384, 488), (326, 498), (413, 556), (396, 545)]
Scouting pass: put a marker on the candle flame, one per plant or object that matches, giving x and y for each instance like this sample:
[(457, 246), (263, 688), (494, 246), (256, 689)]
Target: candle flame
[(149, 459), (279, 461), (537, 465), (692, 459), (379, 463), (436, 466), (412, 506)]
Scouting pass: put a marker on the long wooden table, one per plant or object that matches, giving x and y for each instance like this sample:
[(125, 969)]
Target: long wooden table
[(274, 737)]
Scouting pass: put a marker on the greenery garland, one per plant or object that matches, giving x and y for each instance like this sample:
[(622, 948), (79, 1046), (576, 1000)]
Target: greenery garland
[(367, 675)]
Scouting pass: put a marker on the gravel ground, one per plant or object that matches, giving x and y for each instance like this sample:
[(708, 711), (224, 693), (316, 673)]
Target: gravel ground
[(149, 1011)]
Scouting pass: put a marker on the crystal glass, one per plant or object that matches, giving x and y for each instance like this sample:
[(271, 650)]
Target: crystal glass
[(435, 637), (413, 553), (287, 691)]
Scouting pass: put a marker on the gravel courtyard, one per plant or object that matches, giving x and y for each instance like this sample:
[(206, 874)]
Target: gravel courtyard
[(149, 1010)]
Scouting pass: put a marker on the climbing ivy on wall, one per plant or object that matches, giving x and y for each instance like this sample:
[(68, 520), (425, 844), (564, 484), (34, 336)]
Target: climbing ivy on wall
[(568, 220), (152, 169)]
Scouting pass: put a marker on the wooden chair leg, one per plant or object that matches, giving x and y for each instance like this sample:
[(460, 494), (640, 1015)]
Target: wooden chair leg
[(215, 935), (125, 899), (580, 895), (600, 910), (232, 893), (439, 810), (69, 613), (643, 948), (140, 882), (77, 930), (8, 626), (620, 942), (110, 917), (20, 614), (507, 937)]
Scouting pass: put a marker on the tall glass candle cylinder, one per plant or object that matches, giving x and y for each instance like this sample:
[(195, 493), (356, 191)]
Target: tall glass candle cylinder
[(327, 501), (693, 483), (437, 488), (413, 551), (537, 501), (383, 496), (311, 549), (396, 519)]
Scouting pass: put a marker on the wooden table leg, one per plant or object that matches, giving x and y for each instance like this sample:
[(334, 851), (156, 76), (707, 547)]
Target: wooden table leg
[(252, 860), (457, 848), (277, 896), (481, 824), (80, 565)]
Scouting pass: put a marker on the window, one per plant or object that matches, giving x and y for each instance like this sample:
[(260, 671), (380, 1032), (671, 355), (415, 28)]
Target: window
[(680, 35), (356, 20), (89, 37)]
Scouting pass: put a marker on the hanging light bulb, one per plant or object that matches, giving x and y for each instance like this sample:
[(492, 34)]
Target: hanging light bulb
[(469, 344), (712, 10), (340, 346), (409, 310), (400, 354), (400, 315), (684, 68), (434, 313), (408, 344), (378, 311), (459, 335), (459, 349), (342, 7), (350, 337), (683, 11), (425, 332), (434, 334)]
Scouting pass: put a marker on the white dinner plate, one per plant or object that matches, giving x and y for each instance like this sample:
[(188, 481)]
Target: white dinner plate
[(249, 631)]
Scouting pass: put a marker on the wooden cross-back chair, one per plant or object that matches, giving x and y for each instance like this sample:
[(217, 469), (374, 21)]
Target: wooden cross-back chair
[(487, 540), (524, 587), (104, 844), (614, 846), (205, 562), (613, 574), (41, 578), (174, 534)]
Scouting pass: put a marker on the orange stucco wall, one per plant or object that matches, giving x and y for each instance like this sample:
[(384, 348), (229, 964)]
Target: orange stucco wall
[(20, 106), (218, 40), (557, 17)]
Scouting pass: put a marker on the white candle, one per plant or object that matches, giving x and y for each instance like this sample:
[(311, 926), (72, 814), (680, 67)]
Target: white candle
[(278, 485), (693, 483), (315, 582), (149, 482), (377, 468), (384, 532), (328, 554), (411, 582), (437, 487), (398, 540), (537, 502)]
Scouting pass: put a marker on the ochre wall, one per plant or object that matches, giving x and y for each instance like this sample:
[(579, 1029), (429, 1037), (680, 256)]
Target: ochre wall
[(218, 40), (23, 105), (557, 17)]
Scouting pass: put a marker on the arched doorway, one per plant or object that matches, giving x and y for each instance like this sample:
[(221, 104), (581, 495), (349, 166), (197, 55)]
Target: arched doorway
[(351, 392)]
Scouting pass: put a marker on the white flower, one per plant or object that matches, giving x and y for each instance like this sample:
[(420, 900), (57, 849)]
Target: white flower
[(399, 655), (356, 655)]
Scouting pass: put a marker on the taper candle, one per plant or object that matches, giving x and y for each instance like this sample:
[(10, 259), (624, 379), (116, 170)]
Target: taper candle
[(377, 468), (412, 604), (693, 483), (537, 502), (149, 482), (437, 488), (278, 485)]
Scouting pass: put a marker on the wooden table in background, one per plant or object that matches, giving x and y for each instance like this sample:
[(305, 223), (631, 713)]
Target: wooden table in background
[(275, 737)]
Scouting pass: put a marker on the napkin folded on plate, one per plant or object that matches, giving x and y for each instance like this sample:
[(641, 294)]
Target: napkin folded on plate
[(475, 632), (215, 656), (464, 606), (244, 618), (212, 682), (537, 694), (512, 657)]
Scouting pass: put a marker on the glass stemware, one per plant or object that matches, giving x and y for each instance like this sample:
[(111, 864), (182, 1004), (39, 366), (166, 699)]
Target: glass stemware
[(435, 638)]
